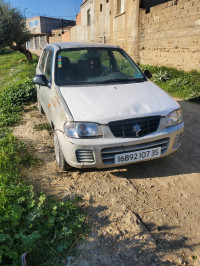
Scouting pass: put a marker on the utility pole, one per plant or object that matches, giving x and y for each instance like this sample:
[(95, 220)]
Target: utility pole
[(25, 11), (62, 27)]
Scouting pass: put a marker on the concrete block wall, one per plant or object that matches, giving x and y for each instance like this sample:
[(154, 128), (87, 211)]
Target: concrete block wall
[(170, 35)]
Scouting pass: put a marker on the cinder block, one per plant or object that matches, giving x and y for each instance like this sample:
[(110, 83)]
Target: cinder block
[(170, 3), (167, 27), (156, 19), (196, 3), (184, 12), (171, 21), (154, 13), (142, 11), (171, 8), (180, 6), (168, 15), (153, 8), (162, 6), (173, 26), (193, 9), (151, 19), (176, 13), (188, 4)]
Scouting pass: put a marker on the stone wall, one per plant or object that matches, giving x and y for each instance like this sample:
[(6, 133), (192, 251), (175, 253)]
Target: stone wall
[(170, 35)]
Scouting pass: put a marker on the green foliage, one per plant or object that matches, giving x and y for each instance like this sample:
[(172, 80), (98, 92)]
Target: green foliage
[(13, 99), (162, 76), (14, 68), (5, 51), (181, 84), (43, 126), (12, 26), (28, 160), (29, 223)]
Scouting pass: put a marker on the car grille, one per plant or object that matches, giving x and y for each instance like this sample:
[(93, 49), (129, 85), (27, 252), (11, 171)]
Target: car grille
[(85, 156), (177, 141), (125, 128), (108, 154)]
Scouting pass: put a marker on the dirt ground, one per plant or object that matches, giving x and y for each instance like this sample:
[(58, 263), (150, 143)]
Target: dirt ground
[(142, 214)]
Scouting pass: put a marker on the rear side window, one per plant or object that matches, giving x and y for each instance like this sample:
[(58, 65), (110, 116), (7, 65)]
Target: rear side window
[(43, 60), (48, 68)]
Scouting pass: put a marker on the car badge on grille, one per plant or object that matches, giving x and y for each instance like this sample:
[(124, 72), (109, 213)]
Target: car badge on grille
[(137, 129)]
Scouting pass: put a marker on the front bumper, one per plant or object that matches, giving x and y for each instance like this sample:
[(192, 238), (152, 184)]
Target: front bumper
[(99, 152)]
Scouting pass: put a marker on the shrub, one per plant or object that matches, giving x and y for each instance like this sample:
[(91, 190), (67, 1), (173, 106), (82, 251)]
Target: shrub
[(178, 83), (29, 222), (162, 75), (13, 99)]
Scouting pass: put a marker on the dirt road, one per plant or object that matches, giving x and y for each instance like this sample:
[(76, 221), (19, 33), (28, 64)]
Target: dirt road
[(142, 214)]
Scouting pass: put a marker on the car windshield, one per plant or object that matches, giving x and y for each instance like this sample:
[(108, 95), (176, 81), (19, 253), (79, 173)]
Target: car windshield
[(95, 66)]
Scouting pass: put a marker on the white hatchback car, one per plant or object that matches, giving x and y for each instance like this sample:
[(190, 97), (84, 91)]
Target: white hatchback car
[(104, 111)]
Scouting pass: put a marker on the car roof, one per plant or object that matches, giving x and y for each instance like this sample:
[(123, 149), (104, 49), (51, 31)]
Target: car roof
[(67, 45)]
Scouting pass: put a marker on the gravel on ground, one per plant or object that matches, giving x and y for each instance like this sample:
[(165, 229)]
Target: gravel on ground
[(142, 214)]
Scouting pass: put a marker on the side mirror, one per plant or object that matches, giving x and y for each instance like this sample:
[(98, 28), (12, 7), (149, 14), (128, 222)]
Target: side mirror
[(40, 80), (148, 74)]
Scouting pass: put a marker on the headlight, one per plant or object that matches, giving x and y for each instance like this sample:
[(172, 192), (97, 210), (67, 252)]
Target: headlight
[(82, 130), (174, 118)]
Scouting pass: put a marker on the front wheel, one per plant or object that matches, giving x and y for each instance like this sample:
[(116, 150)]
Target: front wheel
[(60, 159)]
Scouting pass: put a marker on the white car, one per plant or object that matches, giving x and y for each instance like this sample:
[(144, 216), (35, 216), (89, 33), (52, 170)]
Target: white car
[(103, 109)]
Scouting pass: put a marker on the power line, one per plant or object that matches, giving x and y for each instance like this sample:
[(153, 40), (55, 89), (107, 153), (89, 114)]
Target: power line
[(44, 15)]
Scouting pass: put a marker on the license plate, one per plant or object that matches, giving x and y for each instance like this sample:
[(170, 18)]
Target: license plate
[(137, 155)]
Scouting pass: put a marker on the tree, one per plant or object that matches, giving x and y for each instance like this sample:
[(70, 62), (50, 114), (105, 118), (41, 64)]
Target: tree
[(13, 31)]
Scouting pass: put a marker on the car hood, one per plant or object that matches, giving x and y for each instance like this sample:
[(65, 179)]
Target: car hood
[(105, 103)]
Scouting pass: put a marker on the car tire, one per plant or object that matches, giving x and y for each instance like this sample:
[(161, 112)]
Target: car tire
[(60, 159), (41, 110)]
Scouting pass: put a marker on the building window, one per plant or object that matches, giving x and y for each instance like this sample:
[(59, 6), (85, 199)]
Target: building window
[(101, 7), (120, 7), (88, 18), (35, 22)]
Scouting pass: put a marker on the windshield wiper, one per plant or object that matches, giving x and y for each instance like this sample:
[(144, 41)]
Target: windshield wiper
[(122, 80)]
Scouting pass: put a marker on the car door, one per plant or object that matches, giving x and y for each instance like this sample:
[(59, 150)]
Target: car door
[(46, 90), (39, 71)]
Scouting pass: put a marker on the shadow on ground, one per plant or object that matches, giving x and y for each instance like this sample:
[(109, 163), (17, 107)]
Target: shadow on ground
[(151, 244)]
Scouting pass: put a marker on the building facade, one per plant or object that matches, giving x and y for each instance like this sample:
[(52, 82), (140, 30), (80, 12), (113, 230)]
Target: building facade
[(158, 32), (41, 28)]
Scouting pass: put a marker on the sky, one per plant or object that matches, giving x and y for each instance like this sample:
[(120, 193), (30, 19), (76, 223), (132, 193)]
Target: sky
[(67, 9)]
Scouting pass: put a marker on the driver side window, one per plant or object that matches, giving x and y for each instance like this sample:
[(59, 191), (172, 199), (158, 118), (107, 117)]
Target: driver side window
[(123, 64), (43, 60), (49, 65)]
